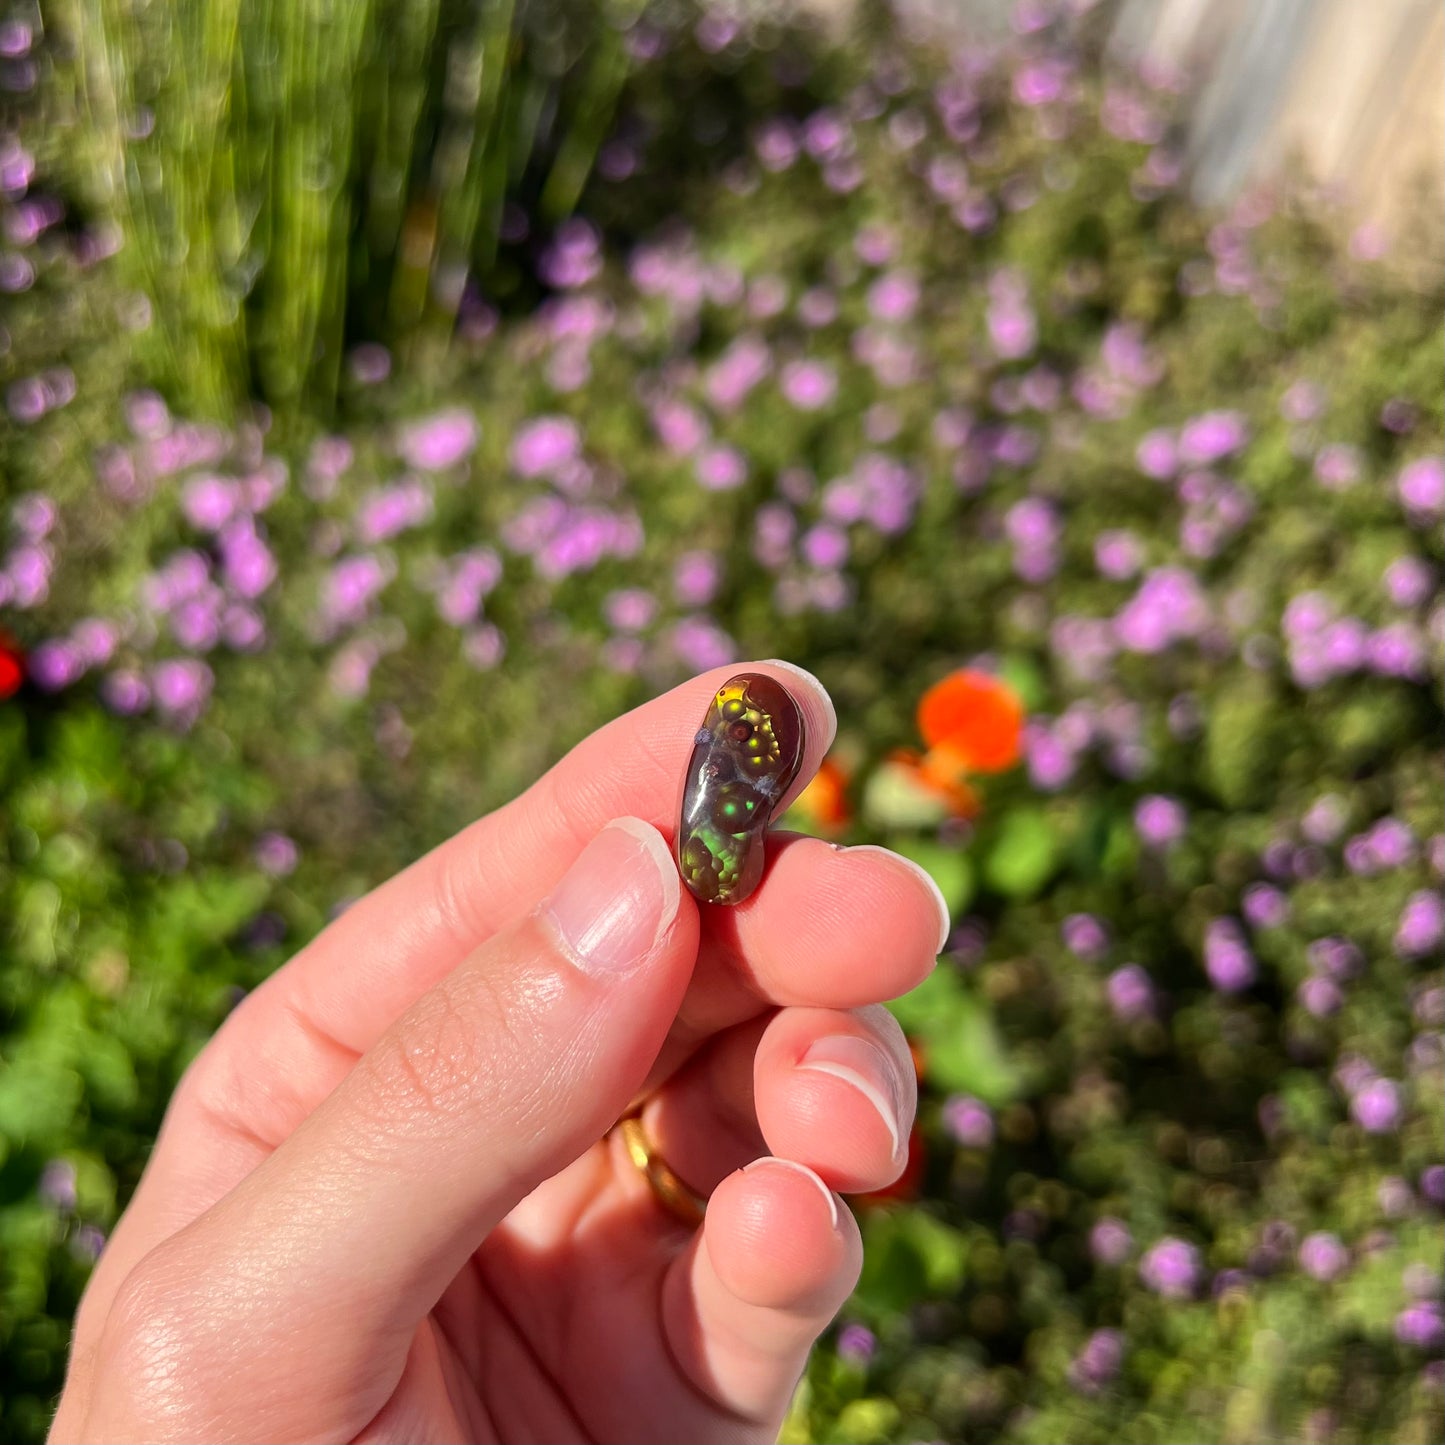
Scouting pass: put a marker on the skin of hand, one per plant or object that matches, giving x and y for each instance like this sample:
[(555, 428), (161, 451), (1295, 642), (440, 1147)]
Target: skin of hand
[(385, 1204)]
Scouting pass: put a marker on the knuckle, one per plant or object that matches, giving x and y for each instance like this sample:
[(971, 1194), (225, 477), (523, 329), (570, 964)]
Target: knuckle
[(149, 1354), (435, 1063)]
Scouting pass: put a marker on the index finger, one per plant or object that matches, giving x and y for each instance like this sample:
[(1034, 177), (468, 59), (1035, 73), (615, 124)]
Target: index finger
[(406, 934)]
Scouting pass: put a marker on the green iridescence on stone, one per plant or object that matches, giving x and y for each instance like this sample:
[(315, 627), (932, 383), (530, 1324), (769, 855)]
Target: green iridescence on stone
[(745, 755)]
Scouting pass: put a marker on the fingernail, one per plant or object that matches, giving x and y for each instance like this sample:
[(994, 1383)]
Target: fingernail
[(945, 923), (830, 713), (868, 1069), (618, 899), (806, 1173)]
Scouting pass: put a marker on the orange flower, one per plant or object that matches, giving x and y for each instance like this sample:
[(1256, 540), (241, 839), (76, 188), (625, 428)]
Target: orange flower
[(972, 723), (823, 804)]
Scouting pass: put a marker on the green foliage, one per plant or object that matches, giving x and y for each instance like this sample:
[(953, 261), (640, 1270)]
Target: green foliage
[(307, 171), (134, 902)]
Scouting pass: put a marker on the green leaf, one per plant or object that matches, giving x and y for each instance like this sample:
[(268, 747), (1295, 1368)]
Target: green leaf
[(1023, 855), (961, 1042), (948, 867), (965, 1054), (893, 798)]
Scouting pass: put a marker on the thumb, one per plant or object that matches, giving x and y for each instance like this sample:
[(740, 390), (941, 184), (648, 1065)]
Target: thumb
[(498, 1078)]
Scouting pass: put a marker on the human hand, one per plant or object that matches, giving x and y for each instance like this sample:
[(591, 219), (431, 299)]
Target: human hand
[(385, 1203)]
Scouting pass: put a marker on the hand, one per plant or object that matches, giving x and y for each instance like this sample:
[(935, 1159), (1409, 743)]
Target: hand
[(385, 1203)]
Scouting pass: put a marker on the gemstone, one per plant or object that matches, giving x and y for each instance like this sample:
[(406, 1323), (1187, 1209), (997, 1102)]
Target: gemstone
[(746, 753)]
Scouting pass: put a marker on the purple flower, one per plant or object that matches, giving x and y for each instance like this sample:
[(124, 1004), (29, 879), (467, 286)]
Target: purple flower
[(1051, 762), (1160, 821), (330, 458), (243, 629), (722, 468), (1118, 555), (696, 578), (1338, 466), (350, 671), (1041, 81), (181, 688), (1085, 936), (246, 560), (1398, 651), (1321, 996), (824, 546), (349, 588), (809, 385), (463, 585), (1421, 487), (1306, 615), (57, 1184), (1131, 993), (1168, 607), (370, 363), (196, 622), (702, 644), (1157, 455), (1012, 329), (441, 441), (581, 536), (1227, 959), (1303, 401), (1325, 820), (1432, 1183), (773, 529), (1032, 523), (1172, 1268), (817, 307), (1264, 906), (87, 1243), (894, 297), (856, 1344), (209, 502), (125, 692), (1422, 925), (276, 854), (1421, 1326), (776, 145), (390, 510), (56, 665), (767, 297), (1322, 1256), (96, 639), (1211, 437), (875, 245), (1377, 1106), (1098, 1362), (573, 258), (546, 445), (681, 428), (34, 515), (630, 610), (968, 1121), (1110, 1241), (737, 371), (147, 415), (1394, 1197), (484, 646)]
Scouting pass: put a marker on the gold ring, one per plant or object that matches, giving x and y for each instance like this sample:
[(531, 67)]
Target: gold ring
[(684, 1204)]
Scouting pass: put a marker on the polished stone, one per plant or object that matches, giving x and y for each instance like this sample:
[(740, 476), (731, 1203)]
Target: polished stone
[(745, 755)]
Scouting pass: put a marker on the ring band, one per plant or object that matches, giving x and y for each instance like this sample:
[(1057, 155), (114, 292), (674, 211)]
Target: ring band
[(684, 1204)]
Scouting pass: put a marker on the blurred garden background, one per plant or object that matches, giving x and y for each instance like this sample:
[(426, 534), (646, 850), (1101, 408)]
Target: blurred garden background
[(396, 389)]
